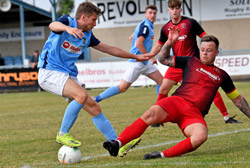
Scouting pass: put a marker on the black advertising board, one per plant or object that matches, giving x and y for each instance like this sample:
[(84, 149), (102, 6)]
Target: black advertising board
[(25, 79)]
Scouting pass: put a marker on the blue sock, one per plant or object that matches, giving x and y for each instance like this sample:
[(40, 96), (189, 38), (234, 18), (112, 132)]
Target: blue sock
[(108, 93), (70, 116), (158, 89), (104, 126)]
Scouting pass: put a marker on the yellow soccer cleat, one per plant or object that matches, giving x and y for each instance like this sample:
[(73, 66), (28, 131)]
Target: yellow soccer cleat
[(68, 140), (124, 150)]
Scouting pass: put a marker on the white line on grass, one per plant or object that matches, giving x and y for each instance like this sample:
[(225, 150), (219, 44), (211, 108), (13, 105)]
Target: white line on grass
[(145, 147), (169, 142)]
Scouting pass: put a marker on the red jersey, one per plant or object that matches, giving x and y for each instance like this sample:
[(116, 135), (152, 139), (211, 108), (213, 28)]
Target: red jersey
[(201, 82), (187, 43)]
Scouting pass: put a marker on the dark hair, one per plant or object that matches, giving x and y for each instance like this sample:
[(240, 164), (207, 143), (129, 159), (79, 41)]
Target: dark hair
[(211, 38), (174, 3), (87, 8), (153, 7)]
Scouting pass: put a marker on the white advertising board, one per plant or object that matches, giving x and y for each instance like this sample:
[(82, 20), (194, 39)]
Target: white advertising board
[(99, 75), (106, 74), (234, 65)]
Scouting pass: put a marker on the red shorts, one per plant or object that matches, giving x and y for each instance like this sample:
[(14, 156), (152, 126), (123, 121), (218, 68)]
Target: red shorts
[(181, 111), (174, 74)]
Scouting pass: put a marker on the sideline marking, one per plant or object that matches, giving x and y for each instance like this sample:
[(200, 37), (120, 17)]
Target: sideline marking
[(167, 143), (143, 147)]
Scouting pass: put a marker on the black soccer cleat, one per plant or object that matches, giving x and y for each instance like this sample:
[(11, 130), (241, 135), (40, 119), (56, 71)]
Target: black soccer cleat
[(157, 125), (153, 155), (112, 147), (231, 120)]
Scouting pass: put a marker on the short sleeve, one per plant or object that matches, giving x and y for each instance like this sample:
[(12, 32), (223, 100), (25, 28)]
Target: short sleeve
[(64, 20), (143, 31), (181, 61), (93, 40), (197, 29)]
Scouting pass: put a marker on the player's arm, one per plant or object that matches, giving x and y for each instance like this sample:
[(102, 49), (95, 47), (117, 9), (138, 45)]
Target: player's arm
[(156, 49), (115, 51), (139, 44), (164, 56), (232, 93), (240, 102), (57, 26), (142, 35)]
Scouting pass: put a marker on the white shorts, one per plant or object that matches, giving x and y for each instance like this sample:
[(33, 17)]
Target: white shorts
[(135, 69), (54, 81)]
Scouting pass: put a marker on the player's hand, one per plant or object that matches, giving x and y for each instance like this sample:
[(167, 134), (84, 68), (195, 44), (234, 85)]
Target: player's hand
[(173, 34), (77, 33), (144, 57)]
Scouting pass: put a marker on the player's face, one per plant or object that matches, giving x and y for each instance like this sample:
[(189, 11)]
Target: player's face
[(88, 23), (175, 12), (150, 14), (208, 52)]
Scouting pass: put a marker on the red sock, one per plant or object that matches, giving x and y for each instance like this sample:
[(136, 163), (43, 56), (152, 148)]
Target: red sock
[(220, 104), (135, 130), (161, 96), (182, 147)]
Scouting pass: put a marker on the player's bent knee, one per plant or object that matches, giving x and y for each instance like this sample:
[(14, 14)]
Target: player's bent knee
[(202, 138), (199, 139), (81, 98), (97, 107)]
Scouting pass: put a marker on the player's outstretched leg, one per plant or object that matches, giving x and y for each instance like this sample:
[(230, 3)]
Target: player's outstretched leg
[(107, 93)]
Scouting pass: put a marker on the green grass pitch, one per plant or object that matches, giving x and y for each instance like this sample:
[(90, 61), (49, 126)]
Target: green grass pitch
[(29, 122)]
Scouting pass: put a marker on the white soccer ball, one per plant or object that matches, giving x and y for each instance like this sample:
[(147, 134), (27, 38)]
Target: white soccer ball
[(68, 155)]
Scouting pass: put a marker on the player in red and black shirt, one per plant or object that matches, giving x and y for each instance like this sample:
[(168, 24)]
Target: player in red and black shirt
[(186, 45), (189, 103)]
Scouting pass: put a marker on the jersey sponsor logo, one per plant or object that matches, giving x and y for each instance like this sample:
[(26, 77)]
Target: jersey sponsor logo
[(212, 76), (183, 26), (71, 48), (182, 38), (66, 44)]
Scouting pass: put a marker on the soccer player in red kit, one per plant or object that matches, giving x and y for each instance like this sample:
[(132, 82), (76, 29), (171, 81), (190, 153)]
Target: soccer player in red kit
[(186, 45), (189, 104)]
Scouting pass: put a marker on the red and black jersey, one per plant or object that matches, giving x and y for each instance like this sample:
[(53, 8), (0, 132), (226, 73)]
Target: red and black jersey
[(201, 82), (187, 43)]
